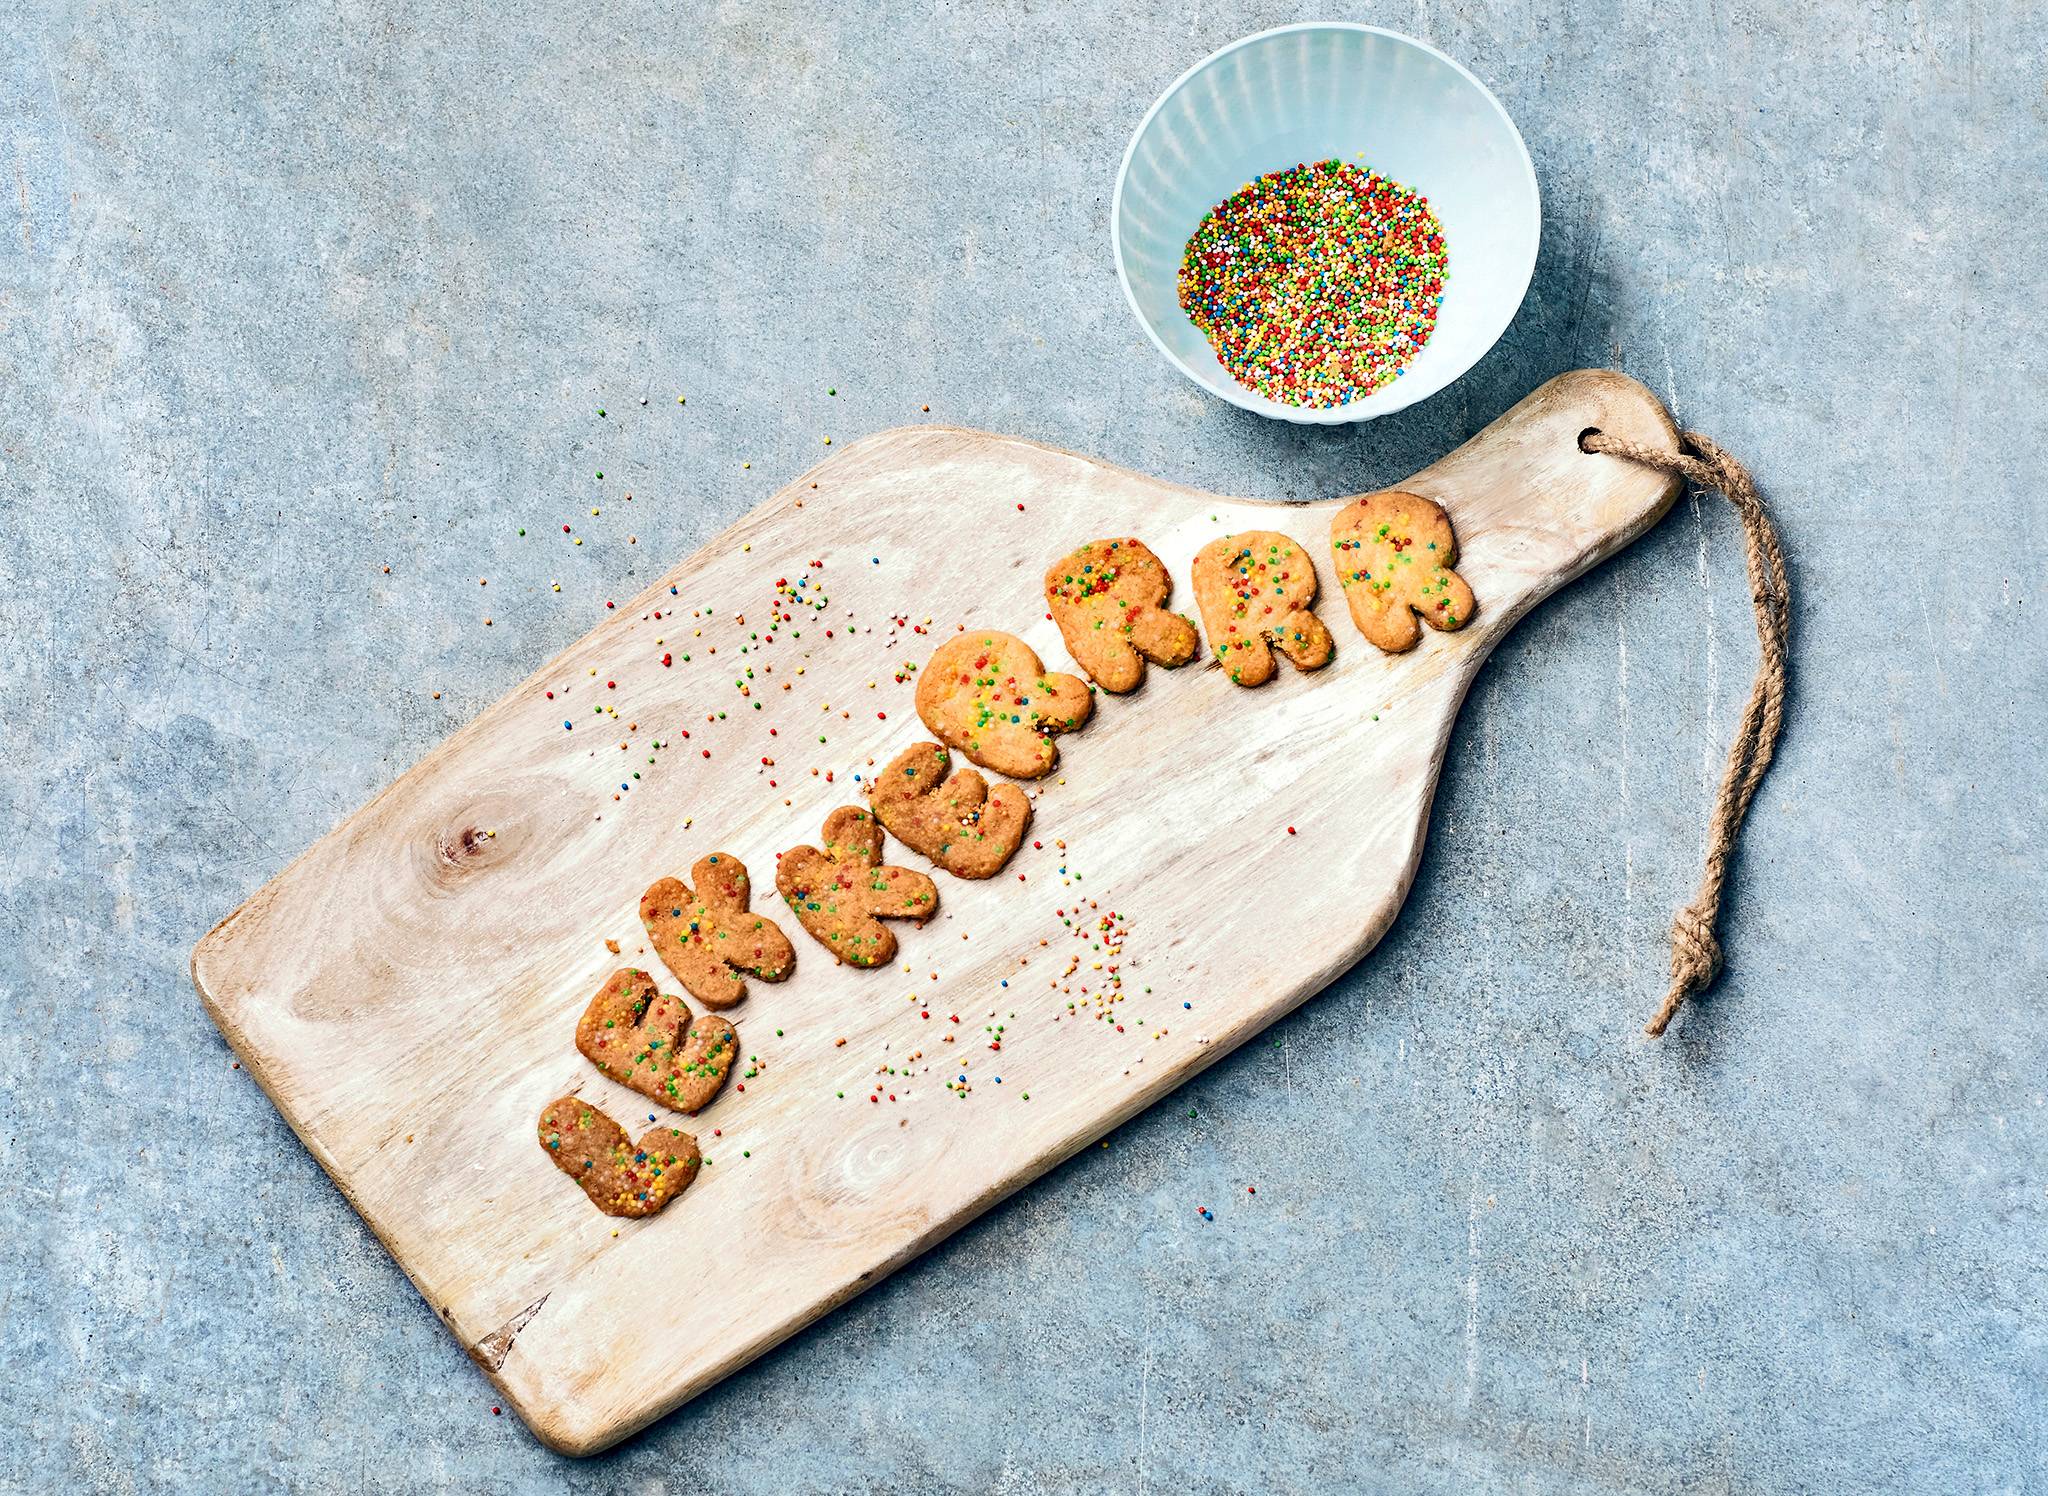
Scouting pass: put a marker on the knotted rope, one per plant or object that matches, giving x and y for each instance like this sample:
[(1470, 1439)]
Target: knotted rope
[(1695, 951)]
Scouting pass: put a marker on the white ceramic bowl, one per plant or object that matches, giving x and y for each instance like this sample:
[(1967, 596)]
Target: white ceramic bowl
[(1308, 93)]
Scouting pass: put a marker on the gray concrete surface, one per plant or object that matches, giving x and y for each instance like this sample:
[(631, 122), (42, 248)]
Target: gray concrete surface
[(288, 294)]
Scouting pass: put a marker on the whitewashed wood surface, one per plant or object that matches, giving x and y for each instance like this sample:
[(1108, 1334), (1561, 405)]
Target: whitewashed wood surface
[(407, 990)]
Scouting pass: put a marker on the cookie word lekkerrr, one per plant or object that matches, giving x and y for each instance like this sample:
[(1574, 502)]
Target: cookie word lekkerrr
[(988, 695)]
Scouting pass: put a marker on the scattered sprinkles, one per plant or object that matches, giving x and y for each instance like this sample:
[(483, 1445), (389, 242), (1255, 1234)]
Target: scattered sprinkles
[(1318, 284), (758, 655)]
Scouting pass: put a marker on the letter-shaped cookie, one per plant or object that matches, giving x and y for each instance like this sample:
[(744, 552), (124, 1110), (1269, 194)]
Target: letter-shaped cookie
[(1255, 591), (708, 936), (1109, 600), (1394, 555), (649, 1040), (842, 894), (987, 695), (622, 1177), (954, 821)]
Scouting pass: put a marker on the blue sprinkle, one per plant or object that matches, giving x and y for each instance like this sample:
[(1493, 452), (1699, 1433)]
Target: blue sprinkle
[(624, 786), (1187, 1005), (999, 1080), (567, 725), (671, 592)]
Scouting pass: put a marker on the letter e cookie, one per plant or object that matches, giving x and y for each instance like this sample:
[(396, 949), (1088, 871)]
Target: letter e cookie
[(954, 820), (650, 1041), (989, 696)]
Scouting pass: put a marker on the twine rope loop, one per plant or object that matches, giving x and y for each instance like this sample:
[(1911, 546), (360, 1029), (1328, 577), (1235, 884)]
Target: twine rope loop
[(1695, 948)]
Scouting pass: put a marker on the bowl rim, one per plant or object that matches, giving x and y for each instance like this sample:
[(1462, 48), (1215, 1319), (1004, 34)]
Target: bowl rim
[(1369, 407)]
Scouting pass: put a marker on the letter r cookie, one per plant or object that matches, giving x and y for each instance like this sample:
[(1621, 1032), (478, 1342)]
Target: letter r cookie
[(1109, 600), (1394, 553), (1255, 591)]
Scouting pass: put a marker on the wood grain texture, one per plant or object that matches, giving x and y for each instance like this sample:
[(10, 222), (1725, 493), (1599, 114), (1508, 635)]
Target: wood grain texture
[(407, 990)]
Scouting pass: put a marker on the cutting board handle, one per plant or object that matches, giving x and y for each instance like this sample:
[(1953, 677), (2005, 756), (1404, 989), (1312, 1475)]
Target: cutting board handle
[(1532, 508)]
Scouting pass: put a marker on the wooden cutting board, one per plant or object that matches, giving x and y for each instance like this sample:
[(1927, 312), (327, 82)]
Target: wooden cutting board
[(407, 991)]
